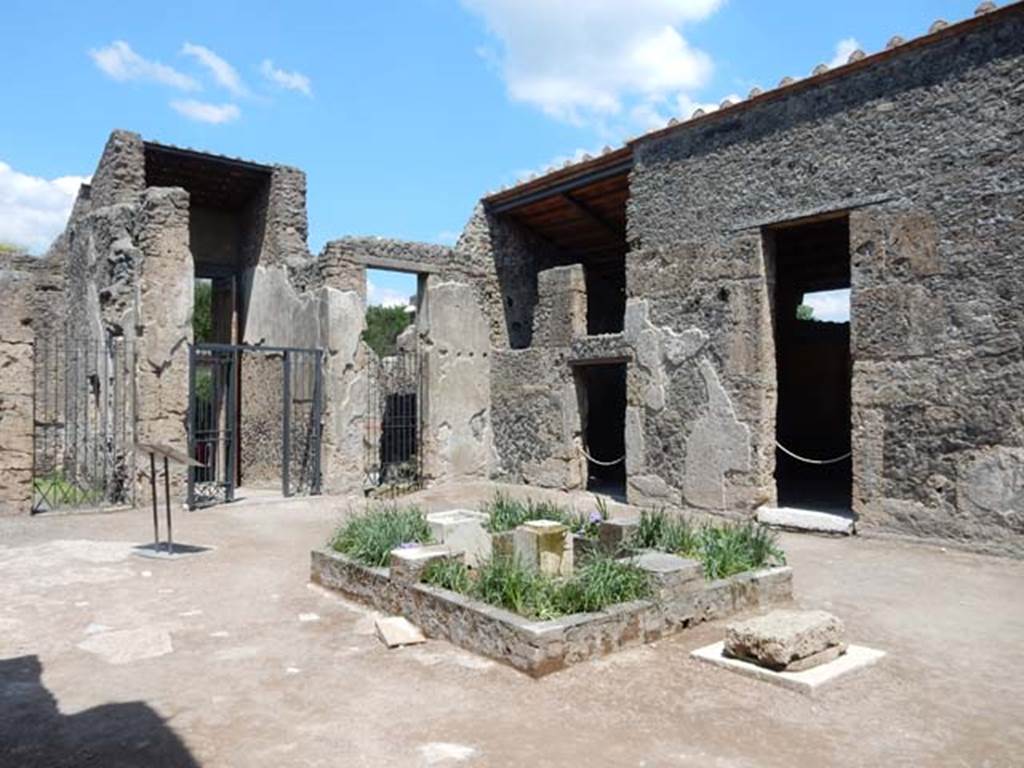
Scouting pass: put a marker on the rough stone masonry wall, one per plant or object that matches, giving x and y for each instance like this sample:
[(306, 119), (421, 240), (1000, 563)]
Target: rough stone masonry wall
[(17, 286), (925, 148), (537, 421), (166, 283)]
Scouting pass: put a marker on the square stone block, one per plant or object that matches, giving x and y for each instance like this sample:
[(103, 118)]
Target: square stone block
[(670, 575), (781, 638), (408, 563), (614, 535), (462, 530), (545, 546)]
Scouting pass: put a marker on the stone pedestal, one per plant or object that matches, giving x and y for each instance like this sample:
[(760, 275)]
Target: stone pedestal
[(786, 640), (614, 535), (407, 564), (462, 530), (545, 546)]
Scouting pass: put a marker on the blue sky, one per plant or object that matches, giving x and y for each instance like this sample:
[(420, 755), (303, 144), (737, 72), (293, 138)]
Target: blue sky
[(402, 114)]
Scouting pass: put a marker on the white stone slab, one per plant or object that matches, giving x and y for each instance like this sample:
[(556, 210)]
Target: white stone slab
[(395, 631), (805, 520), (808, 681), (462, 530)]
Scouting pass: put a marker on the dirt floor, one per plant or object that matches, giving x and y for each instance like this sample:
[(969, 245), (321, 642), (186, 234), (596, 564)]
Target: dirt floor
[(230, 658)]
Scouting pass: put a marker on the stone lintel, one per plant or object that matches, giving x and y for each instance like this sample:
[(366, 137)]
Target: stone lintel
[(400, 265)]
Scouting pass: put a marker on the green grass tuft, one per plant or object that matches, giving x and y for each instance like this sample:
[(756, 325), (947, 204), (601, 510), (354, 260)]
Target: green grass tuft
[(370, 536), (506, 583), (448, 573), (505, 513), (724, 549)]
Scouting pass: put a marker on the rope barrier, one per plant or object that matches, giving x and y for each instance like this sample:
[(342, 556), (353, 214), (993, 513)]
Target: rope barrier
[(804, 459), (600, 463)]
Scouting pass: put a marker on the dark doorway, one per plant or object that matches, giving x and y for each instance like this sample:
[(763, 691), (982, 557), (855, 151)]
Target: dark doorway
[(274, 441), (811, 264), (602, 396)]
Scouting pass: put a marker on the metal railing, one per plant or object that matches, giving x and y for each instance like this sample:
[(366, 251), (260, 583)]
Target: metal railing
[(83, 423)]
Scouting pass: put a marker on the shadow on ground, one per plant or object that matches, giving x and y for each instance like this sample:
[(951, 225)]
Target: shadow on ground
[(34, 733)]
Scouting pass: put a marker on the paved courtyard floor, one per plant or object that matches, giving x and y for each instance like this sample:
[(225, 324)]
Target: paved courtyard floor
[(230, 658)]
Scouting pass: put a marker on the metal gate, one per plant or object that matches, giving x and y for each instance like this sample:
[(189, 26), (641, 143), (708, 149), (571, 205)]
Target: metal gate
[(255, 419), (83, 423), (394, 454)]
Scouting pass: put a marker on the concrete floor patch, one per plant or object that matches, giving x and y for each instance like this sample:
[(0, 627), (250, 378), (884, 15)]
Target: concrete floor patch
[(128, 645)]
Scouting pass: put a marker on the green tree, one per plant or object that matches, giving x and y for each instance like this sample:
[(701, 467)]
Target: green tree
[(202, 312), (804, 312), (383, 325), (6, 248)]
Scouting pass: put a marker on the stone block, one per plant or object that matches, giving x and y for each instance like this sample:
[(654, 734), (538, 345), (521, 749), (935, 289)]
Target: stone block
[(408, 563), (614, 535), (791, 518), (396, 631), (502, 544), (780, 638), (670, 575), (462, 530), (545, 546)]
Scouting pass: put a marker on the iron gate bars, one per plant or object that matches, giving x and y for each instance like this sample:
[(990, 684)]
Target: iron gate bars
[(394, 455), (83, 422), (212, 419), (255, 416)]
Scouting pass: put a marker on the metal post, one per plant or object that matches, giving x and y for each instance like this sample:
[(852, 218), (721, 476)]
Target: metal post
[(191, 424), (167, 501), (286, 407), (232, 432), (152, 486)]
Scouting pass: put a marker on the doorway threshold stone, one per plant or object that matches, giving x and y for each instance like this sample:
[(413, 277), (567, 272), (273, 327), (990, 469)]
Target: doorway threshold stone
[(806, 520)]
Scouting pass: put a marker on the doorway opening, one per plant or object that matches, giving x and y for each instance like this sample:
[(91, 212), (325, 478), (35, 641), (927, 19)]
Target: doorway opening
[(394, 455), (811, 264), (601, 389)]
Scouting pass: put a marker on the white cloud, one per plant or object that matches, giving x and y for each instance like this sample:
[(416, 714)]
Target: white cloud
[(123, 64), (33, 211), (587, 60), (204, 112), (292, 81), (223, 73), (447, 237), (844, 48), (833, 306), (384, 297)]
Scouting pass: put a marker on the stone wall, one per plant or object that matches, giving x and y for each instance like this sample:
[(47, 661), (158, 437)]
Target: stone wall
[(452, 339), (923, 149), (164, 322), (17, 286)]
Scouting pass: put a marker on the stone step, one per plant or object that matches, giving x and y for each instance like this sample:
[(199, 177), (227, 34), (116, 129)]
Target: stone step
[(807, 520)]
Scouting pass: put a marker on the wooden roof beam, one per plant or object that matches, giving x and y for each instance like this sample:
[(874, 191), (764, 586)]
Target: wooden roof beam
[(588, 213)]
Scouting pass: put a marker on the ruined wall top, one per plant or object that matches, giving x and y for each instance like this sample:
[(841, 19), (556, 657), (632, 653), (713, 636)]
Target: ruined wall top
[(121, 174)]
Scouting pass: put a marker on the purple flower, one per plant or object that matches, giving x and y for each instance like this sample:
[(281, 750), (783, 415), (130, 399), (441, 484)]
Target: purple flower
[(595, 517), (408, 544)]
